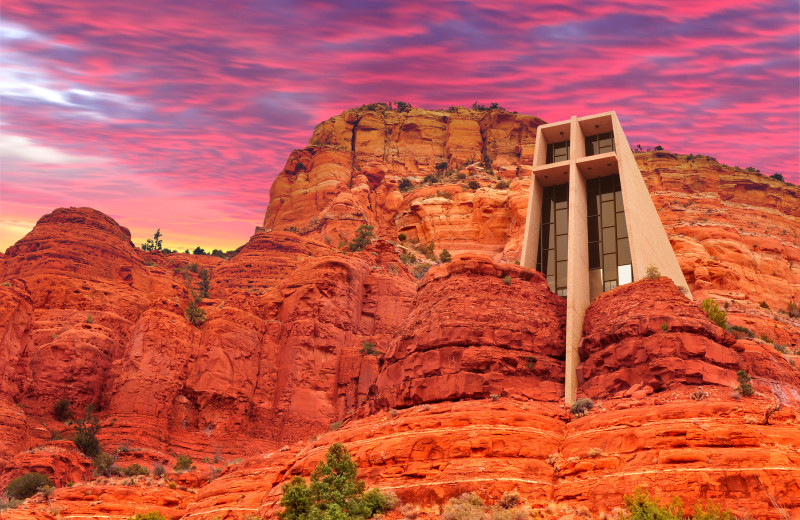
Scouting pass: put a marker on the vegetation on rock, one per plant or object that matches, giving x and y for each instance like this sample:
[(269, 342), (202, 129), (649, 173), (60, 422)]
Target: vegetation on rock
[(717, 315), (334, 493), (27, 485), (641, 506)]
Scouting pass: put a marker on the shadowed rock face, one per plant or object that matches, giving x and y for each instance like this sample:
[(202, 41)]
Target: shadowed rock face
[(466, 395)]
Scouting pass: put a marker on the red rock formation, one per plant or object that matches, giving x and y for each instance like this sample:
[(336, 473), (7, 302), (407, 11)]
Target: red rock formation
[(477, 328), (278, 359)]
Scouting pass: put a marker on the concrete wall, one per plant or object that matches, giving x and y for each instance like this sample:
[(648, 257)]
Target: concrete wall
[(648, 240)]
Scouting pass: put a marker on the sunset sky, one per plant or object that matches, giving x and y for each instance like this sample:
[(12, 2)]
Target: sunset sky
[(179, 114)]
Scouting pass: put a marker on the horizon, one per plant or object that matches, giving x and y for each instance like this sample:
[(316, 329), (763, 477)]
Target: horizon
[(179, 117)]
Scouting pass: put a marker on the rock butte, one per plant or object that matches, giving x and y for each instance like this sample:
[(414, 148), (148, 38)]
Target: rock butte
[(466, 394)]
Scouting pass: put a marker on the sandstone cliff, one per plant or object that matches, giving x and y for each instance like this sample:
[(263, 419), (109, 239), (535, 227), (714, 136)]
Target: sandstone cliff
[(463, 391)]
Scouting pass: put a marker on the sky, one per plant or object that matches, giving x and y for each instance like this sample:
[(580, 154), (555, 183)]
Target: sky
[(178, 115)]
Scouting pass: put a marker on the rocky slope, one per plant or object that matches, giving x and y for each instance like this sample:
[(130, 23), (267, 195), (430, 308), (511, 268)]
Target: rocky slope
[(463, 390)]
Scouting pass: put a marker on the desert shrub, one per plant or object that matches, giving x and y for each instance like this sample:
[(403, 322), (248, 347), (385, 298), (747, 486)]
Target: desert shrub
[(402, 106), (135, 469), (159, 470), (499, 513), (183, 463), (152, 515), (27, 485), (420, 270), (594, 453), (793, 310), (745, 388), (104, 465), (199, 251), (401, 237), (429, 179), (641, 506), (581, 406), (86, 430), (501, 185), (461, 176), (364, 236), (468, 506), (716, 314), (507, 280), (445, 256), (652, 273), (473, 185), (699, 394), (61, 410), (335, 426), (741, 332), (509, 500), (90, 319), (368, 349), (219, 253), (405, 184), (441, 166), (664, 327), (764, 304), (334, 492), (194, 313), (444, 194), (408, 258)]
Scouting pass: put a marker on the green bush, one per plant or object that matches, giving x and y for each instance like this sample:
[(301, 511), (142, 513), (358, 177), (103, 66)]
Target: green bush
[(717, 315), (793, 310), (652, 273), (61, 410), (745, 388), (641, 506), (364, 236), (153, 244), (27, 485), (368, 349), (183, 463), (104, 465), (507, 280), (86, 430), (445, 256), (581, 406), (764, 305), (199, 251), (501, 185), (204, 285), (334, 493), (420, 270), (405, 184), (401, 237), (473, 185), (135, 469), (741, 332), (194, 313)]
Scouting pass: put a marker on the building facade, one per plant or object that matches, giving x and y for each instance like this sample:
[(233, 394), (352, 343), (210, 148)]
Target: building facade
[(591, 224)]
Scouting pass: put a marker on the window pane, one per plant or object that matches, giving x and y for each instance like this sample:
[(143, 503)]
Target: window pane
[(551, 281), (607, 286), (594, 255), (623, 251), (609, 240), (594, 229), (549, 153), (608, 215), (624, 274), (618, 197), (592, 203), (562, 221), (610, 265), (606, 184), (622, 230), (561, 274), (561, 247)]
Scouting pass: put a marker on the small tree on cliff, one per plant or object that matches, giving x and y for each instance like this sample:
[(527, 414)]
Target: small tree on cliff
[(364, 236), (153, 244), (86, 430), (334, 494)]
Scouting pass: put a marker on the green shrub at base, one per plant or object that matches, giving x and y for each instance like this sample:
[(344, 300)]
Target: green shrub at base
[(334, 494), (27, 485), (641, 506), (152, 515)]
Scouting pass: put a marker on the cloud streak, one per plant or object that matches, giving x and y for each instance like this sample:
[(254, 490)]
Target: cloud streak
[(196, 105)]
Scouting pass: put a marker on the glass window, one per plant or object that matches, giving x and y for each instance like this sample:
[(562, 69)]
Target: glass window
[(608, 216), (561, 274), (594, 229), (610, 264), (622, 228), (624, 274), (562, 221), (561, 247), (609, 240), (594, 255), (623, 251), (618, 200)]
